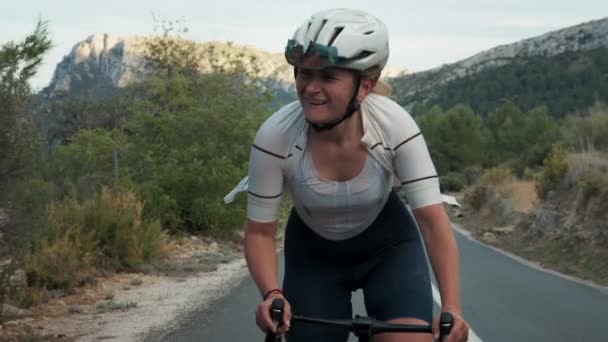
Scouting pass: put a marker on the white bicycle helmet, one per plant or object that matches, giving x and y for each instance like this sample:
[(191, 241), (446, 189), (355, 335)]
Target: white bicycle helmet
[(343, 38)]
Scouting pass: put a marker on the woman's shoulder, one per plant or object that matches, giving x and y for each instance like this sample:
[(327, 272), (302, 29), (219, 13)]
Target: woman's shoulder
[(390, 117), (277, 133)]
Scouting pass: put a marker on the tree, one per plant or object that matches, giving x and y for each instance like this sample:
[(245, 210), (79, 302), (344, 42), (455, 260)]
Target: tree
[(189, 136), (71, 113), (540, 132), (453, 137), (18, 137), (460, 133), (506, 138)]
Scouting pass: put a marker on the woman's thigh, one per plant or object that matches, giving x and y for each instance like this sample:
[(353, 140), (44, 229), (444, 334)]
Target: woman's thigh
[(317, 292), (399, 285)]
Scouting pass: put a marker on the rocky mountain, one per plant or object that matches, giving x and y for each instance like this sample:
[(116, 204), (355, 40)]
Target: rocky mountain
[(109, 60), (418, 87)]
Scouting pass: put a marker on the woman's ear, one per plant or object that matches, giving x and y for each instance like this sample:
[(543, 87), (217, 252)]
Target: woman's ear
[(365, 87)]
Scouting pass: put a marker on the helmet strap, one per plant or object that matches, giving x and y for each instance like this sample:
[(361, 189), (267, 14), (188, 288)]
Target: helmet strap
[(353, 106)]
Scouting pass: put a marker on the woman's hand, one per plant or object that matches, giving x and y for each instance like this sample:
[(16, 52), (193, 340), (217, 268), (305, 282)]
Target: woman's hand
[(262, 315), (460, 328)]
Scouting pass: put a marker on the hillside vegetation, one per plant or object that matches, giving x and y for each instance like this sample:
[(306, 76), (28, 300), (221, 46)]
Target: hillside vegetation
[(566, 83), (104, 189)]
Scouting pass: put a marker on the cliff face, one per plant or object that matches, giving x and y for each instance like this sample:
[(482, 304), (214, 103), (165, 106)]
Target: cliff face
[(105, 57), (117, 61)]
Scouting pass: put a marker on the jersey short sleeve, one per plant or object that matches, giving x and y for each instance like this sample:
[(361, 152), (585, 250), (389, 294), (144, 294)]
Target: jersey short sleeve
[(266, 172), (414, 167)]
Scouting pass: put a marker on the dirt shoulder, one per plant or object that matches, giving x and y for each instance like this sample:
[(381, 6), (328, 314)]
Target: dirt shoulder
[(124, 306)]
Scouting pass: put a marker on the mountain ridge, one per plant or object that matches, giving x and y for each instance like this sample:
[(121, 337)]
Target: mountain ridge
[(423, 85), (118, 60)]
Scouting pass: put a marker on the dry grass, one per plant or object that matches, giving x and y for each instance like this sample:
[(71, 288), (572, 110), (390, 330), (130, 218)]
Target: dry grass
[(523, 195)]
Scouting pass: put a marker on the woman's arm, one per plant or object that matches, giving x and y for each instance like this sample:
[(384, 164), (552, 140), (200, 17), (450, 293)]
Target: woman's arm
[(261, 255), (443, 254)]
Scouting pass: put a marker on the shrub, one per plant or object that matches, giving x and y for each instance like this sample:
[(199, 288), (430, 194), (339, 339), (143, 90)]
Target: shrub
[(453, 181), (28, 297), (26, 213), (591, 187), (555, 167), (471, 174), (62, 258), (123, 238), (105, 232), (486, 186), (476, 196), (496, 176)]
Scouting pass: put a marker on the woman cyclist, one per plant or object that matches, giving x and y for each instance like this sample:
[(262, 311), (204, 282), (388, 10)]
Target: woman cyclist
[(339, 151)]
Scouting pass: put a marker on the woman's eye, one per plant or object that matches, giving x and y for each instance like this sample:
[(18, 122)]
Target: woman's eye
[(329, 77), (305, 75)]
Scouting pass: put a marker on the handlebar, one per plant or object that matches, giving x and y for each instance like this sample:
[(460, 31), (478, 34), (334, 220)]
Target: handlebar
[(362, 327)]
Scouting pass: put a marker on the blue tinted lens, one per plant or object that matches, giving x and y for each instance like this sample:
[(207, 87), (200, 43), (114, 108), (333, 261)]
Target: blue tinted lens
[(316, 56)]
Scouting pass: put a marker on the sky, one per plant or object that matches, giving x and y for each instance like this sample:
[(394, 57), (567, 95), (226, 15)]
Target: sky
[(422, 34)]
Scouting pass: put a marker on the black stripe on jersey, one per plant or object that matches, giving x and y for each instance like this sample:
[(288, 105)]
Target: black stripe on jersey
[(298, 147), (266, 197), (386, 148), (419, 179), (266, 151), (406, 140), (373, 147)]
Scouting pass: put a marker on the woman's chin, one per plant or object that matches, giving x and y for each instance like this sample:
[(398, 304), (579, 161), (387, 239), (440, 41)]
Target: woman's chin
[(317, 120), (317, 117)]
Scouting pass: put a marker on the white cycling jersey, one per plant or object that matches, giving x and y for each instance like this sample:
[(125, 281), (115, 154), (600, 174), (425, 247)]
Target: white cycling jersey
[(279, 161)]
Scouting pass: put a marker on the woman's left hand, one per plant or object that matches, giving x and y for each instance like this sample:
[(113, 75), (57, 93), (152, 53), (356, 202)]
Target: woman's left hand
[(460, 328)]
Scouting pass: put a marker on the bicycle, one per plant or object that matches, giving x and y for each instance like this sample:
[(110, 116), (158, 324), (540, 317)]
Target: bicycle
[(362, 327)]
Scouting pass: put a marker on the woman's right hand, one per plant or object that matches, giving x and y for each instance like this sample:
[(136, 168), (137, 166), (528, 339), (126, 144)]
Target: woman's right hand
[(262, 315)]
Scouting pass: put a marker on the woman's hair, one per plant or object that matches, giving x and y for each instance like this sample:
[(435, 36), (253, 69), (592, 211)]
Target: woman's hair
[(381, 87)]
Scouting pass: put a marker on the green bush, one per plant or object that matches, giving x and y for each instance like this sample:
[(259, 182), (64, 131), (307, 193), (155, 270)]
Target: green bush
[(453, 181), (80, 168), (555, 167), (592, 186), (471, 174), (477, 196), (29, 199), (496, 176)]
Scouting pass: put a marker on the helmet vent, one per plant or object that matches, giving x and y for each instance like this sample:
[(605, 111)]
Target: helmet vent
[(368, 33), (336, 34), (320, 29), (363, 54)]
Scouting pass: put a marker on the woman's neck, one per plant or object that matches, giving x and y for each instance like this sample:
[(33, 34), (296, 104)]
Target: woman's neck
[(347, 132)]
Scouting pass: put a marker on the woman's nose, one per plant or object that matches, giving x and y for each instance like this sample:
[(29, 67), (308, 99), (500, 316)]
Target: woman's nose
[(312, 85)]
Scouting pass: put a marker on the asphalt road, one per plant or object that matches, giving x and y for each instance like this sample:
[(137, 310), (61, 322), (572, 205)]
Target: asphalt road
[(504, 300)]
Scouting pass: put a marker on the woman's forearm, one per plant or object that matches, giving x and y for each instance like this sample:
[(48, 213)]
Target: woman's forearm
[(261, 255), (443, 255)]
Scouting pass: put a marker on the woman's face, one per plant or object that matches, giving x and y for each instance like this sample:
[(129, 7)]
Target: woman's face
[(324, 94)]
